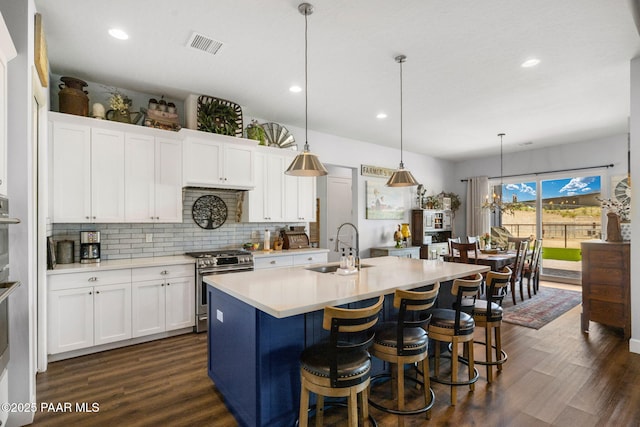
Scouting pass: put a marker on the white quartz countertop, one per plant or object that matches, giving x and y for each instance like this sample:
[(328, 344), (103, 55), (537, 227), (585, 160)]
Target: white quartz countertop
[(285, 252), (285, 292), (119, 264)]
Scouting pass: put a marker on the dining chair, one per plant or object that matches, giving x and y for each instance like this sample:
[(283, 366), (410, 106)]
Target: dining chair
[(516, 277), (474, 239), (452, 240), (340, 367), (532, 268), (464, 251)]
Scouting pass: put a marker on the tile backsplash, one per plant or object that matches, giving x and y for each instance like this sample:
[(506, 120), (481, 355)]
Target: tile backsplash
[(119, 241)]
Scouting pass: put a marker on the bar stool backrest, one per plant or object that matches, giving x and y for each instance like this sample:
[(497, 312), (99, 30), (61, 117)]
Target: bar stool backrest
[(464, 289), (496, 285), (413, 312), (350, 330)]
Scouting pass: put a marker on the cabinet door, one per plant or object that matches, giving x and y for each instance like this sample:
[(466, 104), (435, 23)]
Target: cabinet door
[(202, 163), (70, 320), (168, 180), (180, 303), (238, 166), (112, 313), (275, 188), (71, 173), (306, 199), (148, 307), (107, 175), (139, 177), (255, 209)]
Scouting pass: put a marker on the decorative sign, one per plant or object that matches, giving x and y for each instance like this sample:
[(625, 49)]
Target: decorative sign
[(377, 171)]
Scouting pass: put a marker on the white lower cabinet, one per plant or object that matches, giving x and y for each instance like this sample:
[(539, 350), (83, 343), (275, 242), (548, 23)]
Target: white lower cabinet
[(87, 309), (81, 317), (164, 303)]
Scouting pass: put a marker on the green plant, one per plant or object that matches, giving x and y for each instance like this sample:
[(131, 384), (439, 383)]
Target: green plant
[(216, 117), (455, 201), (256, 132)]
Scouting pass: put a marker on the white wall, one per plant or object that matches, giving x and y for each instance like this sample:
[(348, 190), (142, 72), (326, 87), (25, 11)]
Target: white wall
[(19, 18)]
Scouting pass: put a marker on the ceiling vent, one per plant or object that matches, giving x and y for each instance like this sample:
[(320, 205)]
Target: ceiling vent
[(204, 43)]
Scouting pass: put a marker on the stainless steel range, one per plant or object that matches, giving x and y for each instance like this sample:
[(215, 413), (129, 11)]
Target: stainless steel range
[(215, 262)]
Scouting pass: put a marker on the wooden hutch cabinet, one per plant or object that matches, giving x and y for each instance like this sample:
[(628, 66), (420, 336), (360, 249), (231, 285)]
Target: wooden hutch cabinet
[(433, 225), (605, 284)]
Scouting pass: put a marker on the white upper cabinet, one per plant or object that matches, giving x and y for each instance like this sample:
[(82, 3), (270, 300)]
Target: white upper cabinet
[(153, 178), (88, 174), (107, 175), (278, 197), (265, 203), (217, 161)]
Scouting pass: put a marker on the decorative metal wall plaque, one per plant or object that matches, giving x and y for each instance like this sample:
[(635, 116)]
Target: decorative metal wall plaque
[(209, 212), (377, 171)]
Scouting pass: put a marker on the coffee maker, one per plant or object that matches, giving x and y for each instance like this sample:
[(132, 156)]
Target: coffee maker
[(89, 247)]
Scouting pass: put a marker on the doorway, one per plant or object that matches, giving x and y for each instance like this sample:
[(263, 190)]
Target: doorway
[(336, 195)]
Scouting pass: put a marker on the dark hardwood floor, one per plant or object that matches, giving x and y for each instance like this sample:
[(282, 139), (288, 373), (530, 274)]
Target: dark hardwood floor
[(555, 376)]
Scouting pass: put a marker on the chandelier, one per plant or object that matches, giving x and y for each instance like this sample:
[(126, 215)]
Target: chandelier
[(496, 204)]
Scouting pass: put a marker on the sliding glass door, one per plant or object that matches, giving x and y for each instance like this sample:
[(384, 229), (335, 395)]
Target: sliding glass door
[(562, 210)]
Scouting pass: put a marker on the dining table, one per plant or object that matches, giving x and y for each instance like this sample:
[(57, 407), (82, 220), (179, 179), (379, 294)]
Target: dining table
[(497, 260)]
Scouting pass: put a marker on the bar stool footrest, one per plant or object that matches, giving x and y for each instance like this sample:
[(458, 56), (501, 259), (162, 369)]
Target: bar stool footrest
[(476, 374), (500, 361), (328, 404), (404, 412)]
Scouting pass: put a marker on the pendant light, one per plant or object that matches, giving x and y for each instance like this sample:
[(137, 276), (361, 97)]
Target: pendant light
[(306, 163), (401, 177), (496, 204)]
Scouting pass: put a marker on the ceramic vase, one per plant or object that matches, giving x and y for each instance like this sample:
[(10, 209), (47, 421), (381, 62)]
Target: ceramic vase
[(613, 228)]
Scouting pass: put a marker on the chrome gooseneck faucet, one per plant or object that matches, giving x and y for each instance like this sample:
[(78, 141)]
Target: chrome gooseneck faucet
[(357, 259)]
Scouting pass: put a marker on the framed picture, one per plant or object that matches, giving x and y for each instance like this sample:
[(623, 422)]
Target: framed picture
[(384, 202), (446, 203)]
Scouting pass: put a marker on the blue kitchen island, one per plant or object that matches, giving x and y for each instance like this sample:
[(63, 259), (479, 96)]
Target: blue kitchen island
[(260, 321)]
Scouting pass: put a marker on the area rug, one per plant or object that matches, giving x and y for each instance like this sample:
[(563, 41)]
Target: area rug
[(541, 309)]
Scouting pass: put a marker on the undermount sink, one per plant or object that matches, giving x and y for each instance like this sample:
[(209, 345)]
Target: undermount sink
[(331, 268)]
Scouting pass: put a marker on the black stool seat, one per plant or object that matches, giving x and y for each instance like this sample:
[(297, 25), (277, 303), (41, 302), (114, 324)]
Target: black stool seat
[(317, 360), (480, 310), (446, 319), (414, 339)]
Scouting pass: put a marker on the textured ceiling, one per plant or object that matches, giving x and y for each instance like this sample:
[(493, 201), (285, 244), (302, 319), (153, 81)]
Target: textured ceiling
[(462, 80)]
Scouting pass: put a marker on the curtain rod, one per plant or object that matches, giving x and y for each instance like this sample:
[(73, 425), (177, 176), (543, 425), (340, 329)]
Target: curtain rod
[(540, 173)]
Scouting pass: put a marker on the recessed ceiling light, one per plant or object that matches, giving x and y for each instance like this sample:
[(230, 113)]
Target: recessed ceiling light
[(295, 89), (381, 116), (530, 63), (118, 34)]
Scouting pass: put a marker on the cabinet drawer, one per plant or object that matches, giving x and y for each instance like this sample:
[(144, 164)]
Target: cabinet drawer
[(305, 259), (162, 272), (89, 278), (273, 262)]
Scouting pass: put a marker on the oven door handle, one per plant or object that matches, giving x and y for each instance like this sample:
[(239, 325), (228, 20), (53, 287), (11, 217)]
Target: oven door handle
[(4, 220)]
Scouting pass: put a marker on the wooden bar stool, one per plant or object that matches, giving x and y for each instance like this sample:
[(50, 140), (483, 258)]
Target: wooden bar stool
[(455, 326), (488, 314), (340, 367), (405, 341)]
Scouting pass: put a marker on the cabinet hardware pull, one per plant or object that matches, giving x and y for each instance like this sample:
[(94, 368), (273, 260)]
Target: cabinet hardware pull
[(90, 292), (97, 292), (151, 217), (93, 279), (273, 262), (310, 259), (86, 217), (157, 217), (168, 284), (94, 217)]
